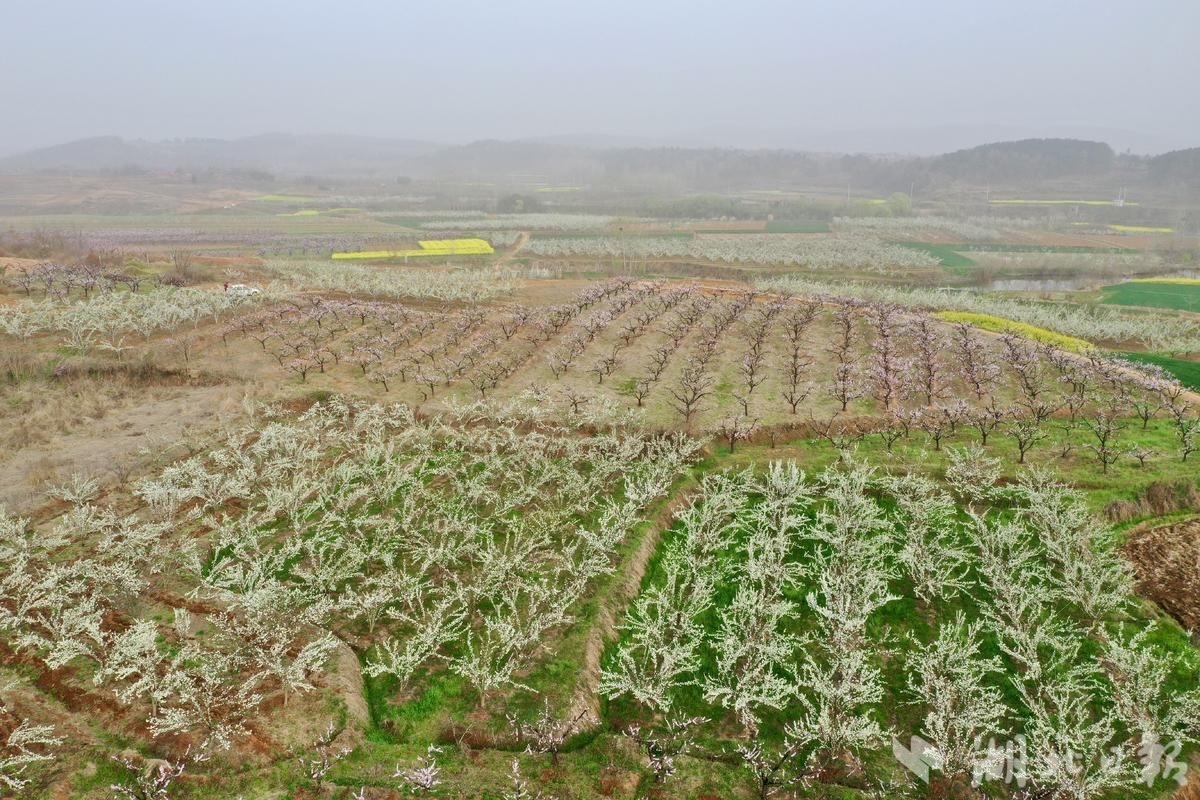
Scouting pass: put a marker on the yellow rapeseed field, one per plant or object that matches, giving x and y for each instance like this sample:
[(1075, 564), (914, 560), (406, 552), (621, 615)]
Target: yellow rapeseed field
[(312, 212), (282, 198), (1001, 325), (428, 247), (1019, 202), (1140, 229)]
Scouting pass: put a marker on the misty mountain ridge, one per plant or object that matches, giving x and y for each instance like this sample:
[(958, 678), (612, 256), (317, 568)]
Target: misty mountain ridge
[(1024, 161), (929, 140), (273, 152), (625, 161)]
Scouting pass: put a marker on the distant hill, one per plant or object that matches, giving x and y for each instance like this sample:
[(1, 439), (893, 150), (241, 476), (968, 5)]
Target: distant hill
[(925, 140), (1176, 167), (274, 152), (99, 152), (651, 168), (1028, 159), (618, 164)]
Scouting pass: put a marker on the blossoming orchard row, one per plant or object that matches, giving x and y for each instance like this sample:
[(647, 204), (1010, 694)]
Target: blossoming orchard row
[(823, 616), (351, 523)]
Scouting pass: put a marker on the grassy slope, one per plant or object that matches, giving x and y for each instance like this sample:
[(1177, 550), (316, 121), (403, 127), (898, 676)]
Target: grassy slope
[(1124, 481)]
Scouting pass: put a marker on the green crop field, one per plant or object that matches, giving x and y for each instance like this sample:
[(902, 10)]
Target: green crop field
[(947, 254), (1177, 296), (1188, 372)]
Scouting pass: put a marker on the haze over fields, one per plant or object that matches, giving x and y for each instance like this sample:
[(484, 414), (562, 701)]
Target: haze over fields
[(919, 77)]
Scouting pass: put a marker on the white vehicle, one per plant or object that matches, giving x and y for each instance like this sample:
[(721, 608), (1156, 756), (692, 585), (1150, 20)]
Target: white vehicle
[(242, 290)]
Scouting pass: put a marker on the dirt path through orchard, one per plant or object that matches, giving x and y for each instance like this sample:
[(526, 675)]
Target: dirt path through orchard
[(585, 702), (522, 240)]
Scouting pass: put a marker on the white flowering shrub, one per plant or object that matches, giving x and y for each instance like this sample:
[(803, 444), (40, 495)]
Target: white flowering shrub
[(963, 229), (424, 283), (804, 612), (106, 317), (461, 543), (839, 252), (520, 222)]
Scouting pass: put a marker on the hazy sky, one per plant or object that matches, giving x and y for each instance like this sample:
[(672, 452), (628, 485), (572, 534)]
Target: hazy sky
[(457, 71)]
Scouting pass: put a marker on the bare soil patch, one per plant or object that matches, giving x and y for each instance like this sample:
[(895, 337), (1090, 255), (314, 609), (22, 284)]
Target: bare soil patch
[(112, 441), (1166, 561)]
